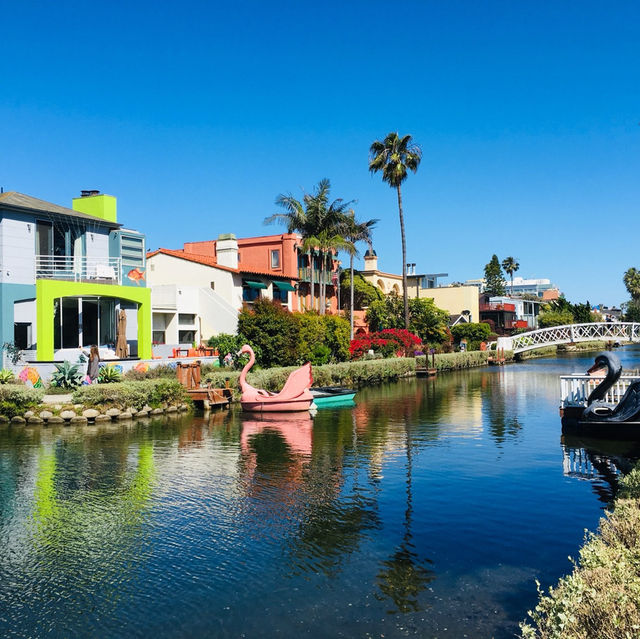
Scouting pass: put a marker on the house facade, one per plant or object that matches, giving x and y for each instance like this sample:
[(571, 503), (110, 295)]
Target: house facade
[(66, 274), (456, 300)]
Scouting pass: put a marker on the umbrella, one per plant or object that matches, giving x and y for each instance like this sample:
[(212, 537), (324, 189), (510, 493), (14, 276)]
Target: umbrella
[(121, 339)]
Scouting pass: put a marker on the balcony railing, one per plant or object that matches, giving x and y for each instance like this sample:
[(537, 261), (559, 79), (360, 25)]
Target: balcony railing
[(494, 306), (304, 275), (102, 270)]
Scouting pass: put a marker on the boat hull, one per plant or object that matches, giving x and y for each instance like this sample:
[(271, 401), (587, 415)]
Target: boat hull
[(333, 396), (290, 406), (628, 431)]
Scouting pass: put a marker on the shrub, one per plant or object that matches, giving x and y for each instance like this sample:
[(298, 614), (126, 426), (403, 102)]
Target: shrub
[(6, 376), (600, 597), (337, 337), (472, 332), (312, 332), (158, 372), (67, 375), (273, 329), (154, 392), (226, 343), (16, 399), (388, 342), (555, 318)]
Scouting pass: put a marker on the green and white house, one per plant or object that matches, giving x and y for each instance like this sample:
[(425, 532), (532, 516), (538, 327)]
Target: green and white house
[(66, 274)]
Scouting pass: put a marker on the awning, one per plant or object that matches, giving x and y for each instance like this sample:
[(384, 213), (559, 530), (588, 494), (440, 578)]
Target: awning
[(251, 284), (284, 286)]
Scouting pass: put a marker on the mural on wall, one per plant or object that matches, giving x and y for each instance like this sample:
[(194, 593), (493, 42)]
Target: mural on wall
[(142, 367), (30, 377), (136, 274)]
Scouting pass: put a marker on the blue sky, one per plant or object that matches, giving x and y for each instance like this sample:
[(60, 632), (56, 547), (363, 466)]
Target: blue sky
[(196, 115)]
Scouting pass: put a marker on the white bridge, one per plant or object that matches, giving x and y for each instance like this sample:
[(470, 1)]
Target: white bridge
[(570, 334)]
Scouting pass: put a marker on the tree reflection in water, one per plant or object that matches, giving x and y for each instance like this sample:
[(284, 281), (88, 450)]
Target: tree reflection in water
[(405, 575)]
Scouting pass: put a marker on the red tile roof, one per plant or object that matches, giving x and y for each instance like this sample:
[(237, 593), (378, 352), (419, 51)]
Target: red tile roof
[(206, 260)]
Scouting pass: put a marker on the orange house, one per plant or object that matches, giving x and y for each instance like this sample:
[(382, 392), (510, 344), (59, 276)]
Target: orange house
[(277, 260)]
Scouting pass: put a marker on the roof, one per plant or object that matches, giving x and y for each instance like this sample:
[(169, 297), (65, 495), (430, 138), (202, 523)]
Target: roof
[(273, 276), (206, 260), (15, 200)]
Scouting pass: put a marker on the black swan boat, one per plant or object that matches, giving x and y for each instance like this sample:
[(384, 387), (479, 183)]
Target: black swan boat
[(602, 419)]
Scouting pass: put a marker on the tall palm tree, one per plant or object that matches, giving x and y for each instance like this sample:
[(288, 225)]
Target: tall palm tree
[(394, 156), (631, 281), (314, 217), (356, 231), (510, 265)]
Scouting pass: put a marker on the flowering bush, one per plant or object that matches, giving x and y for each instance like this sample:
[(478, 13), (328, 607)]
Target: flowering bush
[(388, 342)]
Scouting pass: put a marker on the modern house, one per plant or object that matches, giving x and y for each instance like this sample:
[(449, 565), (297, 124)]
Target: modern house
[(461, 302), (540, 288), (198, 291), (66, 274)]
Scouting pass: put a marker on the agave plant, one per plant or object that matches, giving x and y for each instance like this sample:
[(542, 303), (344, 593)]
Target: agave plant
[(6, 376), (108, 375), (67, 375)]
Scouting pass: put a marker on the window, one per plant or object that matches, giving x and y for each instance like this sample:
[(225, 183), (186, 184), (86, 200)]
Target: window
[(280, 296), (250, 294), (186, 337), (186, 318), (158, 337), (213, 286), (275, 259)]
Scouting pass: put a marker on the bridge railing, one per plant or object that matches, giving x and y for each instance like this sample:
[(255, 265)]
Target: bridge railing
[(575, 389), (568, 333)]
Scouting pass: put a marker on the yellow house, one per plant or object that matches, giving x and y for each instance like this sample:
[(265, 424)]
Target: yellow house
[(456, 300)]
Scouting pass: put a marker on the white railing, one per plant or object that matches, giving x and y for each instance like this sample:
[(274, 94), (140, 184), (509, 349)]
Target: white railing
[(575, 389), (570, 333), (103, 270)]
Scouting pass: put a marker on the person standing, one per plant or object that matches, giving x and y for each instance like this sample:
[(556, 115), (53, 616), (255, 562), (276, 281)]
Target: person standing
[(94, 363)]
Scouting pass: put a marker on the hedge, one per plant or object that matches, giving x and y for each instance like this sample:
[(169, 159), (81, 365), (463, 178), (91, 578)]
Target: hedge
[(154, 392), (601, 597), (16, 399), (457, 361)]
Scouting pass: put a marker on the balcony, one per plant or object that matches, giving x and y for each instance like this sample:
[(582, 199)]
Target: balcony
[(99, 270), (498, 307), (304, 275)]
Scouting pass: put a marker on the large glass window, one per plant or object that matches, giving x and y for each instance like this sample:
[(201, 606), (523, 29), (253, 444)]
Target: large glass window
[(90, 312), (70, 323), (83, 322), (275, 259), (107, 320)]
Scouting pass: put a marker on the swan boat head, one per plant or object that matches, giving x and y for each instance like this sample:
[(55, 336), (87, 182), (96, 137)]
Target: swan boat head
[(612, 364)]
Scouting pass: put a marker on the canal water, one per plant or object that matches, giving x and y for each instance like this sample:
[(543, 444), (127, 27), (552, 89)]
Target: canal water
[(429, 509)]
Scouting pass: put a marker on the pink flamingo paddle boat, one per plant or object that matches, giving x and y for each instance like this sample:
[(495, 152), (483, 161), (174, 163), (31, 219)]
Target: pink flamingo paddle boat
[(294, 396)]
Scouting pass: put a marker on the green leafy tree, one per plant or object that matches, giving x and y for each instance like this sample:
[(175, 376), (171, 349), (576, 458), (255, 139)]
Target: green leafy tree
[(494, 277), (274, 330), (555, 318), (510, 266), (337, 337), (364, 292), (472, 332), (394, 157), (312, 332), (426, 320), (631, 311), (582, 313)]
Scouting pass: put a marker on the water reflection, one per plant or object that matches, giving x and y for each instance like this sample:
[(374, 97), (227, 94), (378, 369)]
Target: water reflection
[(234, 523)]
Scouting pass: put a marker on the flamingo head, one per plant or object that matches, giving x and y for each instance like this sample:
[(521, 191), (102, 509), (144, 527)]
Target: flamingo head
[(245, 349)]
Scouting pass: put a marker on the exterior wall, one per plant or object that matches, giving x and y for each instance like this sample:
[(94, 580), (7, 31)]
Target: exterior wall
[(97, 242), (386, 282), (9, 294), (48, 290), (454, 299), (18, 249), (167, 269), (255, 254), (101, 206)]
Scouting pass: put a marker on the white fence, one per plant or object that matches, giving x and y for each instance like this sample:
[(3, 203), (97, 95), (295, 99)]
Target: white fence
[(79, 269), (575, 389)]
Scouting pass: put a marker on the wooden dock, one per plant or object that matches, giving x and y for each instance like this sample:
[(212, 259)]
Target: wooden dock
[(189, 376)]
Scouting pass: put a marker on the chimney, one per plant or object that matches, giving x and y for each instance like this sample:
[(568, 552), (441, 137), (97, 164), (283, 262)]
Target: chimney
[(92, 202), (227, 250), (370, 260), (89, 193)]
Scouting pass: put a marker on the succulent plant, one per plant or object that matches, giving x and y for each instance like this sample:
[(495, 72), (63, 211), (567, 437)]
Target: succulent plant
[(67, 375), (108, 375), (6, 376)]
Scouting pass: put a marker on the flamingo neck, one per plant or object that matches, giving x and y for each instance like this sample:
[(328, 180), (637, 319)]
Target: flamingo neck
[(243, 375)]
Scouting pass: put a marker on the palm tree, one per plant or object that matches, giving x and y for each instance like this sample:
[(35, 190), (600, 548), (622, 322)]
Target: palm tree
[(394, 156), (315, 218), (510, 265), (356, 231), (631, 280)]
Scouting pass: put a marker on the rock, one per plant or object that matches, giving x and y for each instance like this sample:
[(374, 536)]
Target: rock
[(77, 420), (90, 413), (55, 419), (157, 411), (4, 419), (147, 408), (142, 413), (67, 414), (103, 418), (46, 414), (18, 420), (28, 414), (77, 407), (124, 415), (113, 412), (57, 407), (34, 419), (172, 409)]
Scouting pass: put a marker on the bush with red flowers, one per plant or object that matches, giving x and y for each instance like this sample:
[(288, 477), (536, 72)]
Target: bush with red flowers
[(388, 343)]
